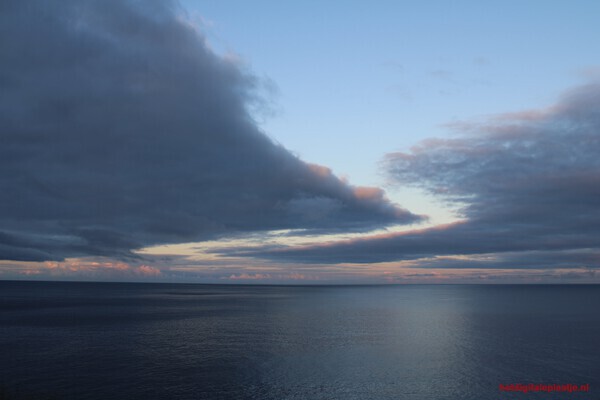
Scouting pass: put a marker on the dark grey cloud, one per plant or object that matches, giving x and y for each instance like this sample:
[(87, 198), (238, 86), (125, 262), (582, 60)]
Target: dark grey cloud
[(528, 185), (120, 128)]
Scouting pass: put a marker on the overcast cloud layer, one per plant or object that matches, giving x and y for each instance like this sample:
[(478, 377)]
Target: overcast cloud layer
[(528, 184), (120, 128)]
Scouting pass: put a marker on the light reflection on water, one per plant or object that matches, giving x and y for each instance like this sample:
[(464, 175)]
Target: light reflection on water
[(97, 341)]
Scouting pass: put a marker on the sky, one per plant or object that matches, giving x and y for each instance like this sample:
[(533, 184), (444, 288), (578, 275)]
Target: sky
[(300, 142)]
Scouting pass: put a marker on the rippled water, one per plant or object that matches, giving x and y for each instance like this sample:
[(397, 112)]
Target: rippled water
[(146, 341)]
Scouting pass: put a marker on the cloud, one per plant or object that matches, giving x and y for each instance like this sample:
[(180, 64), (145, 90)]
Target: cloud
[(527, 185), (89, 269), (120, 128)]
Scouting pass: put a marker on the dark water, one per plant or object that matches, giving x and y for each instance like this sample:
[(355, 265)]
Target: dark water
[(143, 341)]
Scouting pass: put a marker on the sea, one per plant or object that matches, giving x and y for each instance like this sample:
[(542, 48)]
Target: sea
[(99, 341)]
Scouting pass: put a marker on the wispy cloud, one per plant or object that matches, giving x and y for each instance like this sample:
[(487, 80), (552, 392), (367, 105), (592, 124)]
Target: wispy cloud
[(527, 185)]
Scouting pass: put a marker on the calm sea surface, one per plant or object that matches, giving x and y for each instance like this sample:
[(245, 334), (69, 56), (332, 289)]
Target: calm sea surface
[(161, 341)]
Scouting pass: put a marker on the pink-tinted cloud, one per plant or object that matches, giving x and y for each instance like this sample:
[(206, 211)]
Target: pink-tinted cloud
[(148, 271), (83, 269)]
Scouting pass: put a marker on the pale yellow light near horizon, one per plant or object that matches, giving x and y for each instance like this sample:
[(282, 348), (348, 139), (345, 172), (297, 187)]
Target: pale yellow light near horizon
[(411, 199)]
